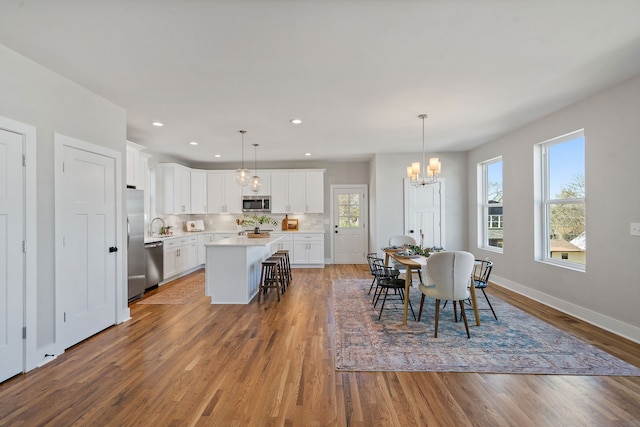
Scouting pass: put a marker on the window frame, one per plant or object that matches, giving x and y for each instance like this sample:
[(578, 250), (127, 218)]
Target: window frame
[(484, 205), (545, 201)]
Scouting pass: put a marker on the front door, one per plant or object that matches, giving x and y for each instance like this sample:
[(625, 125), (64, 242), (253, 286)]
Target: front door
[(11, 254), (86, 270), (349, 224)]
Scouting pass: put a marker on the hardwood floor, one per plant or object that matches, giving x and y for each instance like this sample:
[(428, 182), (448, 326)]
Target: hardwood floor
[(272, 363)]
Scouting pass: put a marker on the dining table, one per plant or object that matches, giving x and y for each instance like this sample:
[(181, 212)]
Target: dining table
[(416, 263)]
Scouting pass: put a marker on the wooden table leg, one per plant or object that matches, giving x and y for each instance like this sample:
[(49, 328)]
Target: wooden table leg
[(386, 259), (474, 303), (407, 285)]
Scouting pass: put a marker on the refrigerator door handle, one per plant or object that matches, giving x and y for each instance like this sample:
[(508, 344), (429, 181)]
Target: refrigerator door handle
[(128, 232)]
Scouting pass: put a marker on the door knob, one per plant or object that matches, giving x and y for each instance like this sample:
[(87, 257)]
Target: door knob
[(113, 249)]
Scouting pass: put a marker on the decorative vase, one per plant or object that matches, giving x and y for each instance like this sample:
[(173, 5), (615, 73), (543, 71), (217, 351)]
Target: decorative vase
[(256, 230)]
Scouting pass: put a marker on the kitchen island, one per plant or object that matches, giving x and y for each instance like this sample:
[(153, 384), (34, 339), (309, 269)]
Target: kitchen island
[(233, 266)]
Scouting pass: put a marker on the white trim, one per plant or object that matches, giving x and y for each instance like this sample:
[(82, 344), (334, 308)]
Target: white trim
[(28, 133), (610, 324), (364, 189), (122, 313)]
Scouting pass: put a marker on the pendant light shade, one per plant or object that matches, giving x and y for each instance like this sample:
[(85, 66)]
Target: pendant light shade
[(256, 182), (242, 174), (430, 171)]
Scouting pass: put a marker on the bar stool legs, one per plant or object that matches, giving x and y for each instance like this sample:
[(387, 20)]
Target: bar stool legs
[(269, 278), (287, 266)]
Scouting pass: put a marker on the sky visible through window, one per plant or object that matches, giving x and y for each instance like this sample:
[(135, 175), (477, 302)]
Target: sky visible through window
[(566, 161)]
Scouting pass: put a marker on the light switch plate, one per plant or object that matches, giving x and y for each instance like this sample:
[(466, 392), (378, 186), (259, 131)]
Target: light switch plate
[(635, 228)]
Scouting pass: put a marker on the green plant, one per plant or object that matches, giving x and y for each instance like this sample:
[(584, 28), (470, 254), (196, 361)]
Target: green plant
[(253, 220), (420, 251)]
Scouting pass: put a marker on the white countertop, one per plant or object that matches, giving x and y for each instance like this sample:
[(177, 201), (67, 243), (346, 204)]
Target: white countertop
[(245, 241)]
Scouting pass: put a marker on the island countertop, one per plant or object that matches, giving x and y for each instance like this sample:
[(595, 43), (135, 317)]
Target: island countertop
[(244, 241)]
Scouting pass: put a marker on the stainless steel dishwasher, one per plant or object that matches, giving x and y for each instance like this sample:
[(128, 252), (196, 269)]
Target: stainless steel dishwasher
[(154, 263)]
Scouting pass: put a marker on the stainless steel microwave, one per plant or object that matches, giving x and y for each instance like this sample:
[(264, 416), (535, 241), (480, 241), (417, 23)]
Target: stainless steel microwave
[(256, 204)]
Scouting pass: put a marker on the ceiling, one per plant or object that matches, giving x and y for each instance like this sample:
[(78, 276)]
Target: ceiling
[(356, 72)]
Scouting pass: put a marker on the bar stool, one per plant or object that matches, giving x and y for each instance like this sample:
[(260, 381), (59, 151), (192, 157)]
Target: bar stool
[(269, 277), (281, 270), (287, 264)]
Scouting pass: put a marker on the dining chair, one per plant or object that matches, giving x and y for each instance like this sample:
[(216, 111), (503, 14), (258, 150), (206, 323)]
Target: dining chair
[(447, 276), (401, 240), (481, 273), (387, 278)]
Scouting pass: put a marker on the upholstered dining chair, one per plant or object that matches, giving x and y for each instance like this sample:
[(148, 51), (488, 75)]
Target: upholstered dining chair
[(447, 276), (401, 240)]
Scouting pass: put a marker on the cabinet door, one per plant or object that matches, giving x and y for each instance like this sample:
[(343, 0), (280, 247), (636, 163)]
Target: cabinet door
[(170, 266), (265, 188), (314, 191), (198, 192), (280, 192), (315, 254), (191, 254), (202, 250), (182, 195), (297, 197), (215, 192), (132, 162), (300, 253), (232, 194)]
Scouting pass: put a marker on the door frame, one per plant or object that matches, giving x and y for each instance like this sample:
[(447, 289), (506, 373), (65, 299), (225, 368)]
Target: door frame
[(365, 215), (30, 265), (122, 312)]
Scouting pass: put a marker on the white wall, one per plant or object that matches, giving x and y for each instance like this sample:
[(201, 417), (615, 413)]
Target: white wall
[(34, 95), (388, 172), (608, 292)]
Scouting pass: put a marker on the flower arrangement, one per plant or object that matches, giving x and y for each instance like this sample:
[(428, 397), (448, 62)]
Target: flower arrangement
[(425, 252)]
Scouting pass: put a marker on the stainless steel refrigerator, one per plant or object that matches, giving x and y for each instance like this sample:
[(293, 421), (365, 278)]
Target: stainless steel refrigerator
[(135, 243)]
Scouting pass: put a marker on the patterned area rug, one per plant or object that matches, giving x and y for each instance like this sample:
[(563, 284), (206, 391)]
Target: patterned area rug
[(180, 293), (517, 343)]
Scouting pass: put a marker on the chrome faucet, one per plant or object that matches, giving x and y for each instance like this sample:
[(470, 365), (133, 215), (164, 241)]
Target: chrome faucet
[(151, 225)]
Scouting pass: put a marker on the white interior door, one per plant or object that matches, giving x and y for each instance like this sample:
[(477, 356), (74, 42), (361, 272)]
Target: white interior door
[(349, 207), (86, 270), (11, 255), (423, 213)]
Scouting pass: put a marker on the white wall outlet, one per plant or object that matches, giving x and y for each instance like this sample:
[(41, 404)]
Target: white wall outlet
[(635, 228)]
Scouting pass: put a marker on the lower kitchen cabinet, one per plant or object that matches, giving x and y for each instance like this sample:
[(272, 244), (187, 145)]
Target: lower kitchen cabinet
[(180, 254), (202, 240), (308, 249)]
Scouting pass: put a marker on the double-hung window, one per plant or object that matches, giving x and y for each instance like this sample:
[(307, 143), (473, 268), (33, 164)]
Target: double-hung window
[(562, 234), (490, 214)]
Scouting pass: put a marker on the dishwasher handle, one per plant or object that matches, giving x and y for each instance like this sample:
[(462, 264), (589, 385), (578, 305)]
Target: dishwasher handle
[(153, 245)]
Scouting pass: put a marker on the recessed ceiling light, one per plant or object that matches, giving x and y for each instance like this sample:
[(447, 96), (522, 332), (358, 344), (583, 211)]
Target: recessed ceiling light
[(217, 156), (193, 143), (307, 154), (157, 124), (296, 121)]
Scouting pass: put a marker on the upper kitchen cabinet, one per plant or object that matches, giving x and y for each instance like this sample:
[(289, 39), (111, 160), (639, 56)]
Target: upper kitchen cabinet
[(198, 192), (297, 191), (136, 165), (265, 188), (223, 194), (173, 189)]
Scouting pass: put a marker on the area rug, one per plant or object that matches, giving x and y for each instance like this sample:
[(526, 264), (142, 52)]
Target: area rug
[(517, 343), (180, 293)]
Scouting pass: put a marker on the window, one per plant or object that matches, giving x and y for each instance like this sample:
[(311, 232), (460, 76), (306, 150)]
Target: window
[(349, 210), (490, 212), (562, 201)]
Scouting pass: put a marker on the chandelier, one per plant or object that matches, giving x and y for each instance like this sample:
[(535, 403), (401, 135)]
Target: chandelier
[(242, 174), (256, 182), (430, 170)]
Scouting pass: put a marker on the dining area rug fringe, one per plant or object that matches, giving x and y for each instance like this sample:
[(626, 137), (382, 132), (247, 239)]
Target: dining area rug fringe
[(517, 343)]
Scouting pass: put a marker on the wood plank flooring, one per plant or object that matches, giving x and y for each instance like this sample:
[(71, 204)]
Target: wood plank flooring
[(272, 363)]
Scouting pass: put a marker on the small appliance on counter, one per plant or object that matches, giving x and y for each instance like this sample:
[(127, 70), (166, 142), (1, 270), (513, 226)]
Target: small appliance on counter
[(197, 225)]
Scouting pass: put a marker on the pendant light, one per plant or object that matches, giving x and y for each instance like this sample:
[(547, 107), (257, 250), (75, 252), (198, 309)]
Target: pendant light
[(431, 170), (242, 174), (256, 182)]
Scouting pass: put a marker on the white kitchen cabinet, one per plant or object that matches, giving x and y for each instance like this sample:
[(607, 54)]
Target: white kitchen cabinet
[(223, 194), (220, 236), (202, 240), (297, 191), (308, 249), (136, 165), (285, 243), (173, 189), (198, 192), (314, 192), (180, 254)]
